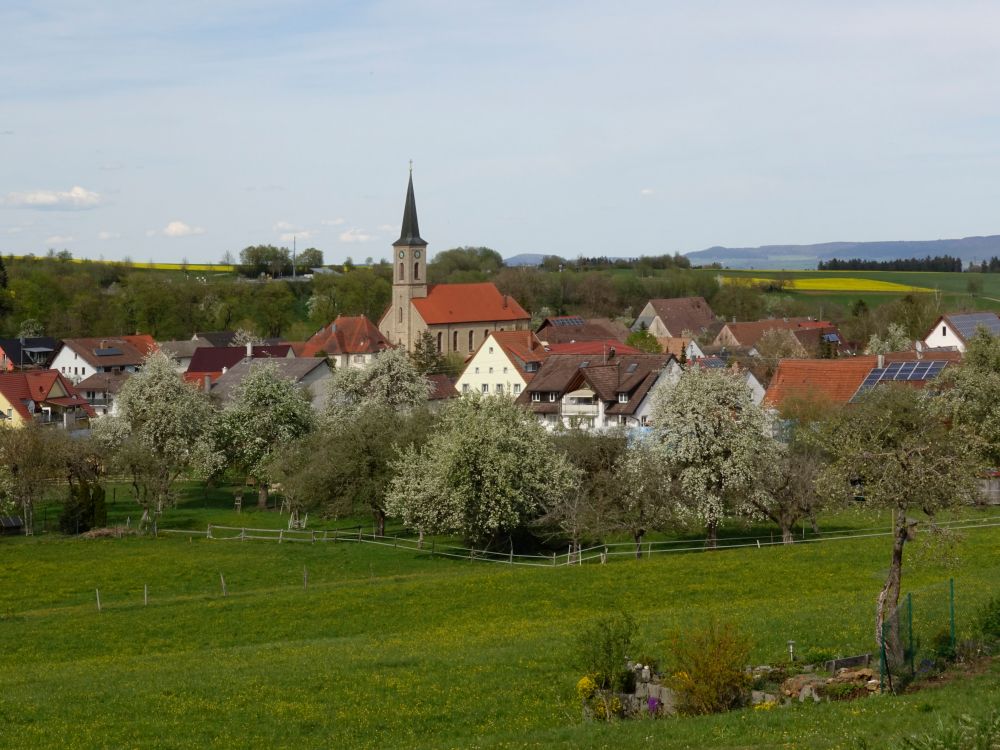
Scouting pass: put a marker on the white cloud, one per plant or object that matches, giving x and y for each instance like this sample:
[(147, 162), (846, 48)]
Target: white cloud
[(333, 222), (180, 229), (303, 235), (74, 199), (13, 230), (386, 228), (59, 239), (646, 191), (104, 234), (355, 235), (283, 226)]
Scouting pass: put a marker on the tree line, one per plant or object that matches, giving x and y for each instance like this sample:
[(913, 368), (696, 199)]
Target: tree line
[(946, 263)]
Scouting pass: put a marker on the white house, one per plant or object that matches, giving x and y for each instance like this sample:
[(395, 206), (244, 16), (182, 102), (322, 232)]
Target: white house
[(954, 330), (503, 364), (80, 358)]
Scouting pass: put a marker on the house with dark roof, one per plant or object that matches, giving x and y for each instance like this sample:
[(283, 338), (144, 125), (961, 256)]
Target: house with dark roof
[(808, 334), (680, 316), (212, 362), (101, 389), (569, 329), (955, 330), (80, 358), (459, 316), (347, 342), (311, 373), (27, 352), (593, 392), (45, 397)]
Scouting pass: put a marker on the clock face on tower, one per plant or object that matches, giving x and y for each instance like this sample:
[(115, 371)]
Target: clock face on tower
[(402, 254), (416, 254)]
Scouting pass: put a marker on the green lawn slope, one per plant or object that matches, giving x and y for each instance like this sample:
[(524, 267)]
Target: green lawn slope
[(391, 649)]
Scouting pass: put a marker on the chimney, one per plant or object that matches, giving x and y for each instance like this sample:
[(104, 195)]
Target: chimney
[(505, 302), (249, 349), (881, 361), (611, 354)]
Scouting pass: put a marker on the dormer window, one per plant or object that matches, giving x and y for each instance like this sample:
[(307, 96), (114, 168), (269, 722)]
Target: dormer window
[(536, 396), (552, 396), (622, 398)]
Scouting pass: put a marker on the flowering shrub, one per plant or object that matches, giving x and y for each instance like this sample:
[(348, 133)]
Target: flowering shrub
[(766, 706), (708, 669), (602, 651), (607, 708), (586, 687)]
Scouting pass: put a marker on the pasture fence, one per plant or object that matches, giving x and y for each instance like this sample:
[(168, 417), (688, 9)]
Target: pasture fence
[(574, 554)]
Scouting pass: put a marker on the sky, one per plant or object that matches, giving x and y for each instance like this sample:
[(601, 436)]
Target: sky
[(183, 130)]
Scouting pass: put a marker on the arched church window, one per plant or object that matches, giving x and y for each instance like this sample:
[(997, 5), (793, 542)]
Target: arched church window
[(454, 341), (416, 271), (400, 271), (440, 341), (470, 340), (401, 315)]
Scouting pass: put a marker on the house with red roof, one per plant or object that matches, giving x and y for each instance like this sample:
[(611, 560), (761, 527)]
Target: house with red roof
[(347, 342), (43, 396), (841, 381), (460, 317), (807, 334)]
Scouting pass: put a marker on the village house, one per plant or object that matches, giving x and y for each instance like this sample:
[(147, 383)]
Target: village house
[(27, 352), (567, 329), (311, 373), (45, 397), (809, 335), (503, 364), (101, 389), (347, 342), (954, 330), (593, 392), (841, 381), (80, 358), (211, 362), (182, 350), (460, 317), (680, 316)]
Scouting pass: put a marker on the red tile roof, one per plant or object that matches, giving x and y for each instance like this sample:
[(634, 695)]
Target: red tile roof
[(37, 385), (569, 328), (467, 303), (346, 335), (833, 380), (520, 347), (442, 387)]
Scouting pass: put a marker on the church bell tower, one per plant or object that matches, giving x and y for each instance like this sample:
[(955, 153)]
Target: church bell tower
[(409, 276)]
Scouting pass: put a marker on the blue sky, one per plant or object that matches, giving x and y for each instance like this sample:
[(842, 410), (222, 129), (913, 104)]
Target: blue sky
[(182, 130)]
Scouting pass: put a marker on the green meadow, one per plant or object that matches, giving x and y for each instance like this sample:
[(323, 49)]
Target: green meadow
[(391, 648)]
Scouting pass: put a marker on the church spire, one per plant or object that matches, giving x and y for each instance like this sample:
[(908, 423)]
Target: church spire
[(410, 233)]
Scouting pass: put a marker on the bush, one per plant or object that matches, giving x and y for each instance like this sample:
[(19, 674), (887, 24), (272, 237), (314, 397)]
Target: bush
[(708, 669), (818, 655), (942, 647), (989, 619), (968, 732), (602, 650)]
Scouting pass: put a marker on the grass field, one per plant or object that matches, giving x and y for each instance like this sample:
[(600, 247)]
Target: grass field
[(388, 648)]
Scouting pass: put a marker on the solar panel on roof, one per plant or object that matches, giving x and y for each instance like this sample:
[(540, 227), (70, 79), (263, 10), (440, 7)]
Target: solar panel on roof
[(110, 352), (584, 363), (967, 324), (632, 367), (572, 321), (900, 371)]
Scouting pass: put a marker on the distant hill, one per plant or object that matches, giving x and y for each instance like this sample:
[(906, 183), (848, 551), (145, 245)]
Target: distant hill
[(806, 256), (525, 259)]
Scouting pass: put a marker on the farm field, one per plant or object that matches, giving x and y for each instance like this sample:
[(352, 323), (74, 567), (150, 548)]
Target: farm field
[(388, 648)]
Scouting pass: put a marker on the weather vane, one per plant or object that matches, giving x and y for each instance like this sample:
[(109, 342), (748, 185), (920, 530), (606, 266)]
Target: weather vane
[(411, 166)]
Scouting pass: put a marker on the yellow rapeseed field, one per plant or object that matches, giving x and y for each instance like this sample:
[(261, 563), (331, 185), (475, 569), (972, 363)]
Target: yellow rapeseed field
[(828, 284)]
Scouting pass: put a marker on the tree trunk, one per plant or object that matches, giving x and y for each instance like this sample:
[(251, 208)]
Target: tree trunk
[(713, 535), (638, 544), (787, 533), (380, 521), (29, 517), (262, 496), (887, 618)]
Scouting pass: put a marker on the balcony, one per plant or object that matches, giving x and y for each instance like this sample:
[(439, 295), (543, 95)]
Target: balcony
[(581, 403)]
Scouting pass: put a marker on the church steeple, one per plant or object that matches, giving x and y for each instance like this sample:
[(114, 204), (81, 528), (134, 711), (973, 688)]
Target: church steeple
[(409, 235)]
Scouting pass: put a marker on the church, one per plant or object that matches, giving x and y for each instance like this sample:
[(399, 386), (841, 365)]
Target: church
[(460, 317)]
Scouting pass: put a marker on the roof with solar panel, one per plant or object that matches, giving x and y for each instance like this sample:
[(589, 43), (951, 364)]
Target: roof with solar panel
[(965, 325), (916, 373)]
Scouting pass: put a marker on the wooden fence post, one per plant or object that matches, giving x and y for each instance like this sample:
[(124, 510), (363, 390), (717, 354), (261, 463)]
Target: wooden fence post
[(98, 592), (222, 580), (145, 594)]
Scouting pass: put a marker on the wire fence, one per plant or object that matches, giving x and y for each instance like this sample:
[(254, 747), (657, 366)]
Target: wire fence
[(574, 555)]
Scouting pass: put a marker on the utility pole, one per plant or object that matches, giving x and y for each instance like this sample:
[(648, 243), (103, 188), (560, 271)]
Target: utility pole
[(293, 256)]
